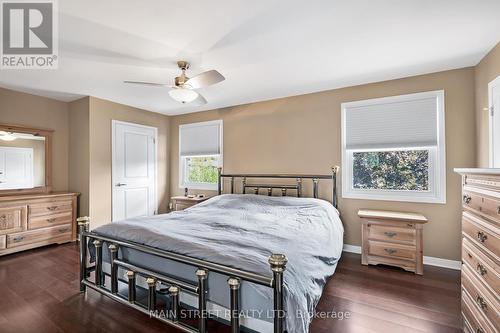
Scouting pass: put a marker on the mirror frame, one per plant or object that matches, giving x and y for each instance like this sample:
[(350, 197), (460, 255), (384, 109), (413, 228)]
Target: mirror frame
[(47, 133)]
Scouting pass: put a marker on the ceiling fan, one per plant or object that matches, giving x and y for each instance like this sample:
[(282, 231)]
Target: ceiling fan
[(184, 89)]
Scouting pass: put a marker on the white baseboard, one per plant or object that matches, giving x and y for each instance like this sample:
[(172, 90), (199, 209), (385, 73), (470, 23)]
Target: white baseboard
[(432, 261)]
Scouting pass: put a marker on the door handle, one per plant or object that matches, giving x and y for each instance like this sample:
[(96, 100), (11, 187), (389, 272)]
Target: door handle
[(121, 184)]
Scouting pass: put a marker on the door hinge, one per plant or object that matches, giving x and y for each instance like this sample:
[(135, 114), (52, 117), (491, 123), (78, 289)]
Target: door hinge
[(492, 110), (154, 140)]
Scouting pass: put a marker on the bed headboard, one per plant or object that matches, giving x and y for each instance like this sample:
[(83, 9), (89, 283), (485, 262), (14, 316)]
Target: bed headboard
[(296, 187)]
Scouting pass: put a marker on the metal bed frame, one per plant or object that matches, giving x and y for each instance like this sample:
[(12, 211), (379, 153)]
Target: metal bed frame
[(277, 264)]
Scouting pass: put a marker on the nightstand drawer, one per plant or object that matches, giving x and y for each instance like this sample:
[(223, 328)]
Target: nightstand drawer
[(392, 234), (390, 250), (182, 206)]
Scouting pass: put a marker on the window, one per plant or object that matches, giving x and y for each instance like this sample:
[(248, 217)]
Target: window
[(394, 148), (200, 154)]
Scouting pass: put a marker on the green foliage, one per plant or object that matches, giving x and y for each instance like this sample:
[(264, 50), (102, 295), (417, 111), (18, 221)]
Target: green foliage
[(202, 170), (391, 170)]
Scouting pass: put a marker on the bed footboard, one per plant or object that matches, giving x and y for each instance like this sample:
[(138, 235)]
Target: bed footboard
[(277, 264)]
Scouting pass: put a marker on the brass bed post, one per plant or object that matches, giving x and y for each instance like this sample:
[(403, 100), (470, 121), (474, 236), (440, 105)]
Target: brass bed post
[(174, 293), (202, 300), (131, 286), (99, 278), (83, 226), (278, 266), (234, 286), (219, 182), (113, 249), (151, 293)]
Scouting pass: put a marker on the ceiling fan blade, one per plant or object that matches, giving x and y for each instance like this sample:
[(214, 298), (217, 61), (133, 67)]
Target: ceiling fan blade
[(200, 100), (205, 79), (148, 83)]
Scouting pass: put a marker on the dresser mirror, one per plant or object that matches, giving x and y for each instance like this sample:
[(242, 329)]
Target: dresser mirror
[(25, 160)]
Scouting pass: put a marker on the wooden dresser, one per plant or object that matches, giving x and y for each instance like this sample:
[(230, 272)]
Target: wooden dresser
[(392, 238), (29, 221), (480, 249)]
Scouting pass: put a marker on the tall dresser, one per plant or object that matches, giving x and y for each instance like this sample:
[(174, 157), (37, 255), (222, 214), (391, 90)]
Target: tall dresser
[(480, 249)]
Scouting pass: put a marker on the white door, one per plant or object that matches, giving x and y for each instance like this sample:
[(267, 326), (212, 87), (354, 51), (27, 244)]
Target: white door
[(16, 168), (494, 107), (134, 170)]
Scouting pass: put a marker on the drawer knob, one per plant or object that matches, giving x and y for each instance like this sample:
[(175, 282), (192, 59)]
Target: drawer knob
[(63, 230), (18, 239), (481, 236), (481, 303), (51, 220), (390, 251), (390, 234), (52, 208), (479, 330), (466, 198), (481, 269)]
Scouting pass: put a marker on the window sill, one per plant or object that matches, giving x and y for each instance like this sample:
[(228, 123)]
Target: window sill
[(199, 187), (396, 197)]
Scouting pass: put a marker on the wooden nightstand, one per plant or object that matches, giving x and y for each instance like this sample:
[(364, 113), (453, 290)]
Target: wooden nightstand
[(182, 202), (392, 238)]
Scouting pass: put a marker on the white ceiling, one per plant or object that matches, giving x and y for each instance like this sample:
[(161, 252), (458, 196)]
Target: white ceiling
[(265, 48)]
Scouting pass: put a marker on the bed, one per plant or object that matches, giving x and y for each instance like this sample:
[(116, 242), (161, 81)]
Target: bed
[(224, 258)]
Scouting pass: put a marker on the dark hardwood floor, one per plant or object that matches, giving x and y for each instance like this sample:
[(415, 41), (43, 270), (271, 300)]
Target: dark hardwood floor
[(39, 293)]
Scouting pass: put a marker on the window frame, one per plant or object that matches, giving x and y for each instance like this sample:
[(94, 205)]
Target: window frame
[(437, 157), (182, 159)]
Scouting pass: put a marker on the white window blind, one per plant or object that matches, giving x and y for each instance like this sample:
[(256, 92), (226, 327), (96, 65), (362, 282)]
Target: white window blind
[(407, 122), (200, 139)]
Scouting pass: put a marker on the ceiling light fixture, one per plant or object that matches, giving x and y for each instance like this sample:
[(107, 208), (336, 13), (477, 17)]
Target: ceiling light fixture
[(6, 136), (183, 95)]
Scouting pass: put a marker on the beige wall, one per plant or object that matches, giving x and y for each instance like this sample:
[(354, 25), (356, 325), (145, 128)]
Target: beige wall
[(18, 108), (486, 71), (101, 114), (79, 152), (302, 135)]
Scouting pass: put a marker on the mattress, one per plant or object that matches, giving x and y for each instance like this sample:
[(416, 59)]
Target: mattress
[(242, 231)]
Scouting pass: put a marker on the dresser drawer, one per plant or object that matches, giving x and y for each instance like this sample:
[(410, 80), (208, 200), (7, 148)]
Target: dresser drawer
[(12, 219), (43, 221), (392, 234), (51, 207), (481, 234), (485, 302), (390, 250), (484, 268), (476, 320), (482, 204), (55, 234), (3, 242)]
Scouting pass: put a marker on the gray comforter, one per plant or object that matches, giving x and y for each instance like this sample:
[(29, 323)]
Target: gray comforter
[(241, 231)]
